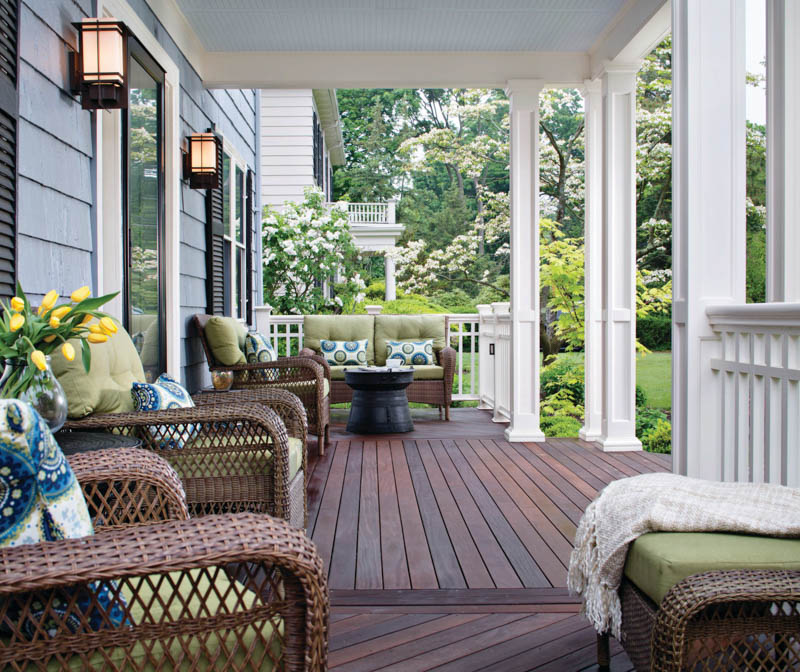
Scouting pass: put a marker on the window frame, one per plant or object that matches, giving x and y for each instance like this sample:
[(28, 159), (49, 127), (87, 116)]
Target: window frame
[(235, 248)]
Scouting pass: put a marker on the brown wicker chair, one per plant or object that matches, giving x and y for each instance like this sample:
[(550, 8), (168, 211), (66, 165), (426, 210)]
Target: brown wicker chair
[(718, 620), (237, 456), (307, 377), (235, 592)]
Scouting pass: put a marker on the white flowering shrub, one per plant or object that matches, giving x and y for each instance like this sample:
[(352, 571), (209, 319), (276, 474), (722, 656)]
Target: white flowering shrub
[(306, 246)]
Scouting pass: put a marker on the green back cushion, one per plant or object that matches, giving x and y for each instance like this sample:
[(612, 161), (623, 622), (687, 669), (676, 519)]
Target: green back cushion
[(107, 386), (659, 560), (407, 327), (339, 328), (225, 337)]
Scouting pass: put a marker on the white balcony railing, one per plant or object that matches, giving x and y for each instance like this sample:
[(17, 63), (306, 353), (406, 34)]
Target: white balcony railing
[(755, 363), (370, 213), (481, 341)]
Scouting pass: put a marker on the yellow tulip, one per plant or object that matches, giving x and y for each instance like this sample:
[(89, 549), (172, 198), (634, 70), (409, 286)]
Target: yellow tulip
[(48, 301), (97, 338), (95, 329), (86, 319), (17, 321), (108, 326), (60, 312), (17, 304), (80, 294), (49, 339), (55, 323), (68, 351), (38, 358)]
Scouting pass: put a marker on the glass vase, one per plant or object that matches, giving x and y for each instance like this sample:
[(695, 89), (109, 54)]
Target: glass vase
[(42, 391)]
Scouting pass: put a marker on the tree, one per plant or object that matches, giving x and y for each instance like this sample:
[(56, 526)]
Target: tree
[(306, 246)]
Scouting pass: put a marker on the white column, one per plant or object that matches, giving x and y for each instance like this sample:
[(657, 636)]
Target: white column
[(524, 103), (783, 150), (389, 270), (708, 214), (593, 262), (618, 292)]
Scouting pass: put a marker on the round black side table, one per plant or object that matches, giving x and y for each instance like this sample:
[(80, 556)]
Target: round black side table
[(380, 404), (73, 443)]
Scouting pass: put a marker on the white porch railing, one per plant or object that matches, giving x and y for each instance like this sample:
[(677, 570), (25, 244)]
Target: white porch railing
[(755, 361), (481, 341), (370, 213)]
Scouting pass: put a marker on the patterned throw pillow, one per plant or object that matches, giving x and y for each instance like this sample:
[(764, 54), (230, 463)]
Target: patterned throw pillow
[(345, 353), (411, 352), (257, 348), (42, 501), (161, 395)]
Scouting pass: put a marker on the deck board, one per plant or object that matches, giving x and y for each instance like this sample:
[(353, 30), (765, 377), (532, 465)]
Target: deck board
[(447, 547)]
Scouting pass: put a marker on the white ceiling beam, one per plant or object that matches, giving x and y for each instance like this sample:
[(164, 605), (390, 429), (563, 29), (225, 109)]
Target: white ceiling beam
[(638, 27), (181, 31), (341, 70)]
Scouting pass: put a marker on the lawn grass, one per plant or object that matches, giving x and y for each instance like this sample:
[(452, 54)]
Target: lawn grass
[(654, 375)]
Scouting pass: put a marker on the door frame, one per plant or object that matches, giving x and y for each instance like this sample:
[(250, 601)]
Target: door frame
[(109, 177)]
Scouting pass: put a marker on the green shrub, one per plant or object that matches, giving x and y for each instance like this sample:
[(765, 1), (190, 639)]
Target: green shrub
[(641, 397), (408, 304), (655, 332), (659, 438), (560, 426), (375, 291), (565, 372), (456, 301), (647, 420)]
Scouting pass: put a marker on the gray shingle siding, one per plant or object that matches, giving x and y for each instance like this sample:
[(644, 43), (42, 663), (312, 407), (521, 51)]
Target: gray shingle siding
[(57, 170)]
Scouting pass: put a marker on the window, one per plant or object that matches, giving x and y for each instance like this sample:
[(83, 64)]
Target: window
[(144, 302), (230, 240)]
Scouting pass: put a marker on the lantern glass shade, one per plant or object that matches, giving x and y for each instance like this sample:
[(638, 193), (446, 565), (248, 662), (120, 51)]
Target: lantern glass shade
[(203, 161), (101, 67)]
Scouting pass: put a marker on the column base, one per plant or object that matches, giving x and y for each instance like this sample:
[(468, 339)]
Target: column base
[(524, 428), (617, 445), (589, 434)]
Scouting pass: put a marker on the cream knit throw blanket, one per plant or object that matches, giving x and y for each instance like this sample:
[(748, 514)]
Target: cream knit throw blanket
[(630, 507)]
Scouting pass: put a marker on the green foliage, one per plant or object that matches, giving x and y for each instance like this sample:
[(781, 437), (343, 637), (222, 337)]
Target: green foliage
[(650, 428), (563, 374), (375, 291), (756, 270), (305, 246), (408, 304), (561, 426), (659, 438), (654, 332), (456, 301)]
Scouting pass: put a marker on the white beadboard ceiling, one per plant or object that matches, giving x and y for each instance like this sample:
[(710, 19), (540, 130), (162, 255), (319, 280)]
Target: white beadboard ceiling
[(399, 25)]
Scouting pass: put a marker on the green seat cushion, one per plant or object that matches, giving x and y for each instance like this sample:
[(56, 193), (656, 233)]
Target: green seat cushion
[(428, 372), (339, 328), (407, 328), (203, 601), (107, 386), (237, 463), (658, 560), (225, 337)]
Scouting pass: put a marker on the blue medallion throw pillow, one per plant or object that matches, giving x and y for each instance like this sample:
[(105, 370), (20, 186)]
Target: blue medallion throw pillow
[(41, 500), (163, 394), (257, 348), (345, 353), (418, 353)]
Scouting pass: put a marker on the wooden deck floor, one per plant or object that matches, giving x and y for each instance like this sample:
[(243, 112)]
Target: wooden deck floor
[(447, 547)]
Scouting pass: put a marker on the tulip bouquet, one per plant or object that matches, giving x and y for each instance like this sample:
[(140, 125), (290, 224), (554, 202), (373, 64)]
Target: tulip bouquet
[(28, 336)]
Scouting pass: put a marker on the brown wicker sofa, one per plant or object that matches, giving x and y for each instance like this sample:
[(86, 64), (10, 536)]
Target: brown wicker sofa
[(432, 384), (722, 619), (236, 453), (306, 377), (235, 592)]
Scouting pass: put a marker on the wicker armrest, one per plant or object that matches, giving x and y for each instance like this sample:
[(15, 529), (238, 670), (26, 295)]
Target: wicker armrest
[(129, 486), (288, 407), (202, 438), (447, 360), (319, 359), (277, 563), (750, 589)]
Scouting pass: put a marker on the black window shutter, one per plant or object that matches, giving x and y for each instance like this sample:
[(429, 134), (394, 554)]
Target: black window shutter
[(215, 250), (9, 13), (249, 249)]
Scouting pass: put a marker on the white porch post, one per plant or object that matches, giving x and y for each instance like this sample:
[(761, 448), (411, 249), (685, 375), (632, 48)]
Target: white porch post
[(525, 318), (593, 262), (783, 150), (618, 431), (389, 270), (708, 196)]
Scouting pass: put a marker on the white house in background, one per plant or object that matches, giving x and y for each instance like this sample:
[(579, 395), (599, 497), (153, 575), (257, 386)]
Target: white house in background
[(301, 141)]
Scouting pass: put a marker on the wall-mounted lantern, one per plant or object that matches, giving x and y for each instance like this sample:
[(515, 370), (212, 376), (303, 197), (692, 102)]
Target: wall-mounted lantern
[(98, 71), (202, 162)]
